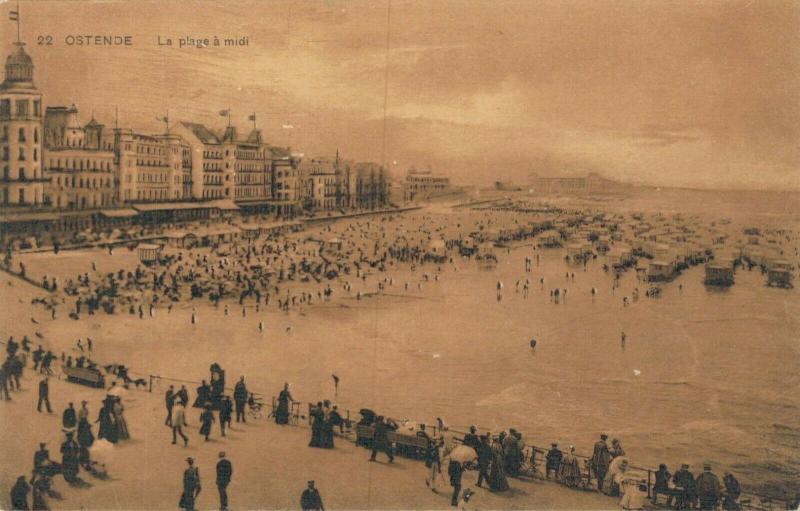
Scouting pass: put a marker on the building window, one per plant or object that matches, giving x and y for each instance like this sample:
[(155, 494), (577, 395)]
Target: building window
[(37, 108), (21, 154), (5, 107), (22, 196), (22, 108)]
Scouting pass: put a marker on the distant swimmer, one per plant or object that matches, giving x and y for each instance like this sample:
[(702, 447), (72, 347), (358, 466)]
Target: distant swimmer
[(533, 344)]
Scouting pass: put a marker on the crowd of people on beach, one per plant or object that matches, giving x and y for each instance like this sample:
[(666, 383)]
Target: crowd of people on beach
[(295, 271)]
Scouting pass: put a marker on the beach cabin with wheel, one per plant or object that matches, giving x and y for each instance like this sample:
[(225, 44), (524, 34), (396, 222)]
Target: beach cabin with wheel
[(660, 271), (779, 277), (149, 253), (719, 274)]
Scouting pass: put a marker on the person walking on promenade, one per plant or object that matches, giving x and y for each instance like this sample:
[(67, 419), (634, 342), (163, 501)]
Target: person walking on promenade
[(191, 486), (240, 398), (284, 398), (471, 438), (433, 462), (553, 461), (455, 470), (601, 459), (497, 475), (224, 474), (310, 499), (206, 420), (708, 488), (19, 495), (225, 409), (380, 440), (569, 472), (178, 421), (44, 395), (169, 402), (484, 451), (70, 455)]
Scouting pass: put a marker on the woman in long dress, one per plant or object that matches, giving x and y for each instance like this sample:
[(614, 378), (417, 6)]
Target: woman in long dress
[(612, 484), (497, 476), (282, 413), (122, 424), (107, 429), (569, 471)]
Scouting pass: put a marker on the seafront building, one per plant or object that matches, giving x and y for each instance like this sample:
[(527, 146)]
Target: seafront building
[(420, 185), (61, 174)]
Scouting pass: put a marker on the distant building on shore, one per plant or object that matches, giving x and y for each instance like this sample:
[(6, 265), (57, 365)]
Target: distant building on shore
[(590, 183), (420, 185)]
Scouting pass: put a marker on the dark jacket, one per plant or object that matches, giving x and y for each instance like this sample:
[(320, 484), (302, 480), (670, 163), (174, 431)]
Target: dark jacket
[(455, 470), (310, 500), (240, 393), (69, 419), (553, 457), (44, 389), (224, 472)]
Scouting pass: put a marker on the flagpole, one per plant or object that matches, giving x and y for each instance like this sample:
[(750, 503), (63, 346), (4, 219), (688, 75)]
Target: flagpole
[(229, 117)]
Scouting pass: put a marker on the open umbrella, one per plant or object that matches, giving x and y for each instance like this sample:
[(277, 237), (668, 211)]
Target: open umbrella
[(463, 454)]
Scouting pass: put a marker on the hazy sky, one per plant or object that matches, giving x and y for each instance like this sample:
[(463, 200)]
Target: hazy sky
[(676, 93)]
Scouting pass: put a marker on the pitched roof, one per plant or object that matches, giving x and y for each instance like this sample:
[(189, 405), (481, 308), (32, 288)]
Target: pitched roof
[(201, 132)]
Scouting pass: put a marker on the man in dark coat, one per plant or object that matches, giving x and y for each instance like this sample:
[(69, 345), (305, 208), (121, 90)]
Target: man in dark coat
[(169, 401), (732, 493), (471, 438), (183, 395), (191, 486), (317, 419), (224, 474), (684, 481), (19, 495), (44, 395), (70, 452), (69, 419), (380, 440), (662, 485), (310, 499), (601, 459), (240, 398), (455, 469), (484, 451), (553, 457), (708, 488), (206, 420), (225, 409)]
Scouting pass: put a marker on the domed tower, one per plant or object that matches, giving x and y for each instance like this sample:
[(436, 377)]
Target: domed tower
[(21, 181)]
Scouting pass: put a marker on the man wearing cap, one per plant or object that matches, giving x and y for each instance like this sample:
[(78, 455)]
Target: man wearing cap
[(310, 500), (471, 439), (553, 457), (44, 395), (684, 480), (708, 488), (224, 473), (484, 459), (380, 440), (191, 486), (601, 459)]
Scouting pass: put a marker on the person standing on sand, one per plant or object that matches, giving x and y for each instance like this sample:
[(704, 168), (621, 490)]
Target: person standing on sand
[(206, 420), (169, 401), (191, 486), (240, 398), (310, 499), (178, 421), (284, 398), (44, 395), (19, 495), (708, 488), (224, 473)]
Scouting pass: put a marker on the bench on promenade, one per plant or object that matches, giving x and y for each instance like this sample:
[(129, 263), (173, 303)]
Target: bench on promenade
[(410, 446), (85, 376)]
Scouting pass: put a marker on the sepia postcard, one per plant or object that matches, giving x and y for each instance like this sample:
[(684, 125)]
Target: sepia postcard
[(400, 255)]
